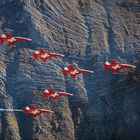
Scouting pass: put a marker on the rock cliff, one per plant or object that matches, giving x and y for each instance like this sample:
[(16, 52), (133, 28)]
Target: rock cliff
[(87, 32)]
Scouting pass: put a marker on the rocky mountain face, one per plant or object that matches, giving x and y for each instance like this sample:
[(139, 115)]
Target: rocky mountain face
[(87, 32)]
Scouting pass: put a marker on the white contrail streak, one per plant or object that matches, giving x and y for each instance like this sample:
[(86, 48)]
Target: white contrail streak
[(10, 110)]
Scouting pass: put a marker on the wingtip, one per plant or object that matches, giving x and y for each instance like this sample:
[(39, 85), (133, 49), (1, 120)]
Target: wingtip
[(92, 72), (51, 111), (62, 55), (29, 39)]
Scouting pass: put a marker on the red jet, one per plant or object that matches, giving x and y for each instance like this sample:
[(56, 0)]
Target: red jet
[(43, 55), (74, 72), (54, 95), (117, 68), (31, 110), (11, 40)]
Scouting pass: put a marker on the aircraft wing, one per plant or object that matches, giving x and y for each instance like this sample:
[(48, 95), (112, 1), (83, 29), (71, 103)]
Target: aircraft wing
[(85, 71), (35, 115), (127, 66), (45, 111), (22, 39), (54, 98), (55, 54), (115, 71), (12, 43), (44, 59), (64, 94)]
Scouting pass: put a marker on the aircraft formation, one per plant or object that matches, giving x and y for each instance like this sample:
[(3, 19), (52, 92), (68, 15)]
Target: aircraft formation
[(70, 70)]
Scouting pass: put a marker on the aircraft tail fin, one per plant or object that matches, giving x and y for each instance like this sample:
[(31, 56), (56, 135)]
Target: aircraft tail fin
[(51, 91), (32, 106), (113, 62), (41, 51), (8, 36)]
